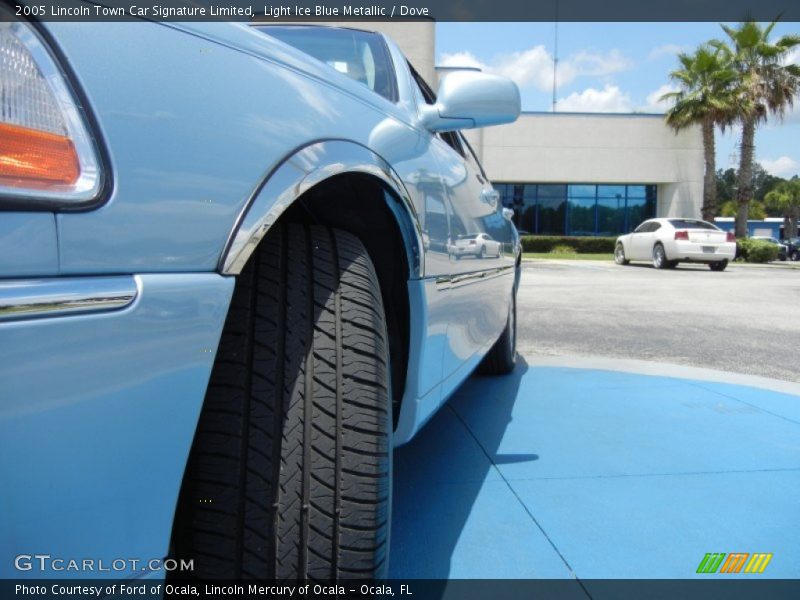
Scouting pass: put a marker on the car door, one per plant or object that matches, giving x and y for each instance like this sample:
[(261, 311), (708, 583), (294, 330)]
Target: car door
[(492, 246), (479, 288), (642, 241)]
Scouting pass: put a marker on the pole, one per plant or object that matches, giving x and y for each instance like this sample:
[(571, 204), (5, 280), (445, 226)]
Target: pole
[(555, 59)]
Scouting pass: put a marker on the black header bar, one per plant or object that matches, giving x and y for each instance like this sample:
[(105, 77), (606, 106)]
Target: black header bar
[(399, 10)]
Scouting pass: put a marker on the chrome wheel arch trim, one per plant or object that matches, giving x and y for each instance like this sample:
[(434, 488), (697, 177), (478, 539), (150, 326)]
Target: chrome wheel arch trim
[(60, 296), (301, 171)]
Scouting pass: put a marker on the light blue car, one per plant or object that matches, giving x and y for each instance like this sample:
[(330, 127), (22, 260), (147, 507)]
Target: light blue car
[(226, 293)]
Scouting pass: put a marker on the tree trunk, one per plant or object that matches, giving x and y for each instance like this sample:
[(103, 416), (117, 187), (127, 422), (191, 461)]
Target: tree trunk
[(709, 209), (744, 193), (790, 227)]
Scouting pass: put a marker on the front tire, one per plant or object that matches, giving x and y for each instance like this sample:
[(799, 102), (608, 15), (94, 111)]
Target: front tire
[(619, 254), (289, 475), (660, 257)]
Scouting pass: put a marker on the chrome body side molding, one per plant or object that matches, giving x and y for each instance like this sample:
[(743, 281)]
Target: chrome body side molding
[(29, 298), (455, 281)]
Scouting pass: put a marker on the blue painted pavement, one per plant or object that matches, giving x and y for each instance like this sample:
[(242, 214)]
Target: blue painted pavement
[(558, 472)]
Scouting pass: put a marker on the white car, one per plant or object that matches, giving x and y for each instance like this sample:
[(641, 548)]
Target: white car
[(667, 242), (480, 245)]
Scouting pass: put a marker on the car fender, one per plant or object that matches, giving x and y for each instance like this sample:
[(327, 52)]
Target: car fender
[(300, 171)]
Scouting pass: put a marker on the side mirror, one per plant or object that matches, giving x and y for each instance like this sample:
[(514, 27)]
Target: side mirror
[(469, 99)]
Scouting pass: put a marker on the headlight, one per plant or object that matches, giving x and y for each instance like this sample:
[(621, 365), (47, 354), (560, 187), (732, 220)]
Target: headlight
[(47, 155)]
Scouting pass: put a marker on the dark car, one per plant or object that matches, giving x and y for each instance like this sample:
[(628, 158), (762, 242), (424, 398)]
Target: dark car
[(783, 250), (792, 247)]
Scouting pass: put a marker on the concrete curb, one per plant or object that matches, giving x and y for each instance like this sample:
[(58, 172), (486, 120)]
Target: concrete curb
[(643, 367)]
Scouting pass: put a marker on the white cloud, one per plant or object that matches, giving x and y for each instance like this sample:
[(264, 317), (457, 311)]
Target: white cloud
[(609, 99), (665, 50), (534, 66), (783, 166), (529, 67), (592, 64), (654, 104), (461, 59)]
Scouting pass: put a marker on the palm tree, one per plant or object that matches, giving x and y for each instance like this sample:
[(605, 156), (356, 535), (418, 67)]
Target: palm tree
[(705, 97), (766, 85), (785, 198)]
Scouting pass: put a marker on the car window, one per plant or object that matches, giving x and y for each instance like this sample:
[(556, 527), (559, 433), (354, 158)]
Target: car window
[(691, 224), (426, 95), (361, 55), (654, 226), (643, 228), (471, 154)]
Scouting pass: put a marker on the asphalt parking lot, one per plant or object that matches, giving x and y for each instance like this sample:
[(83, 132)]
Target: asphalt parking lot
[(582, 468), (743, 320)]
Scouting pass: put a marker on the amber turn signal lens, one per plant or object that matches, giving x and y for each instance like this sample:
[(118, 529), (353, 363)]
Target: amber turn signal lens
[(33, 158)]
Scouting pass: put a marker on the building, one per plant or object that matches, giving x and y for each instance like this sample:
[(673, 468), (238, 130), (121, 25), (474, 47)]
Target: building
[(592, 174), (576, 174), (769, 227)]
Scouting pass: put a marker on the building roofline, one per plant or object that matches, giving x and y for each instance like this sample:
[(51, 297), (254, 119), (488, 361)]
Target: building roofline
[(591, 114)]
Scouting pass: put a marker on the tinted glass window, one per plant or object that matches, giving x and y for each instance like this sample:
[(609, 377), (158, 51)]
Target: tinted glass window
[(578, 209), (358, 54), (637, 191), (690, 224), (582, 191), (582, 216), (643, 228), (619, 191)]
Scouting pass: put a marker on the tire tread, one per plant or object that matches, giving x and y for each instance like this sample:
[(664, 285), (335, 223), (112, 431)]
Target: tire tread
[(289, 473)]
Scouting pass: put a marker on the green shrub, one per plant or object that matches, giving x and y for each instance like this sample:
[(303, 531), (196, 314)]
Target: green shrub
[(756, 251), (581, 245), (563, 249)]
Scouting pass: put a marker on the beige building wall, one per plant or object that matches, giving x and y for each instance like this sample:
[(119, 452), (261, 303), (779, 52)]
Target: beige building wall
[(598, 148)]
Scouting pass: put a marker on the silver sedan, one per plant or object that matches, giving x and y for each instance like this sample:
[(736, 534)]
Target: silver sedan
[(667, 242)]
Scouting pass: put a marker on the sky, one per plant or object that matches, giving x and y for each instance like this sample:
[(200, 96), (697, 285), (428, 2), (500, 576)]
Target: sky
[(609, 67)]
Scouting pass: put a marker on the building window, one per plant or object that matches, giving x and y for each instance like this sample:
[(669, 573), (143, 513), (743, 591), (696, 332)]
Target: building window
[(578, 209)]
